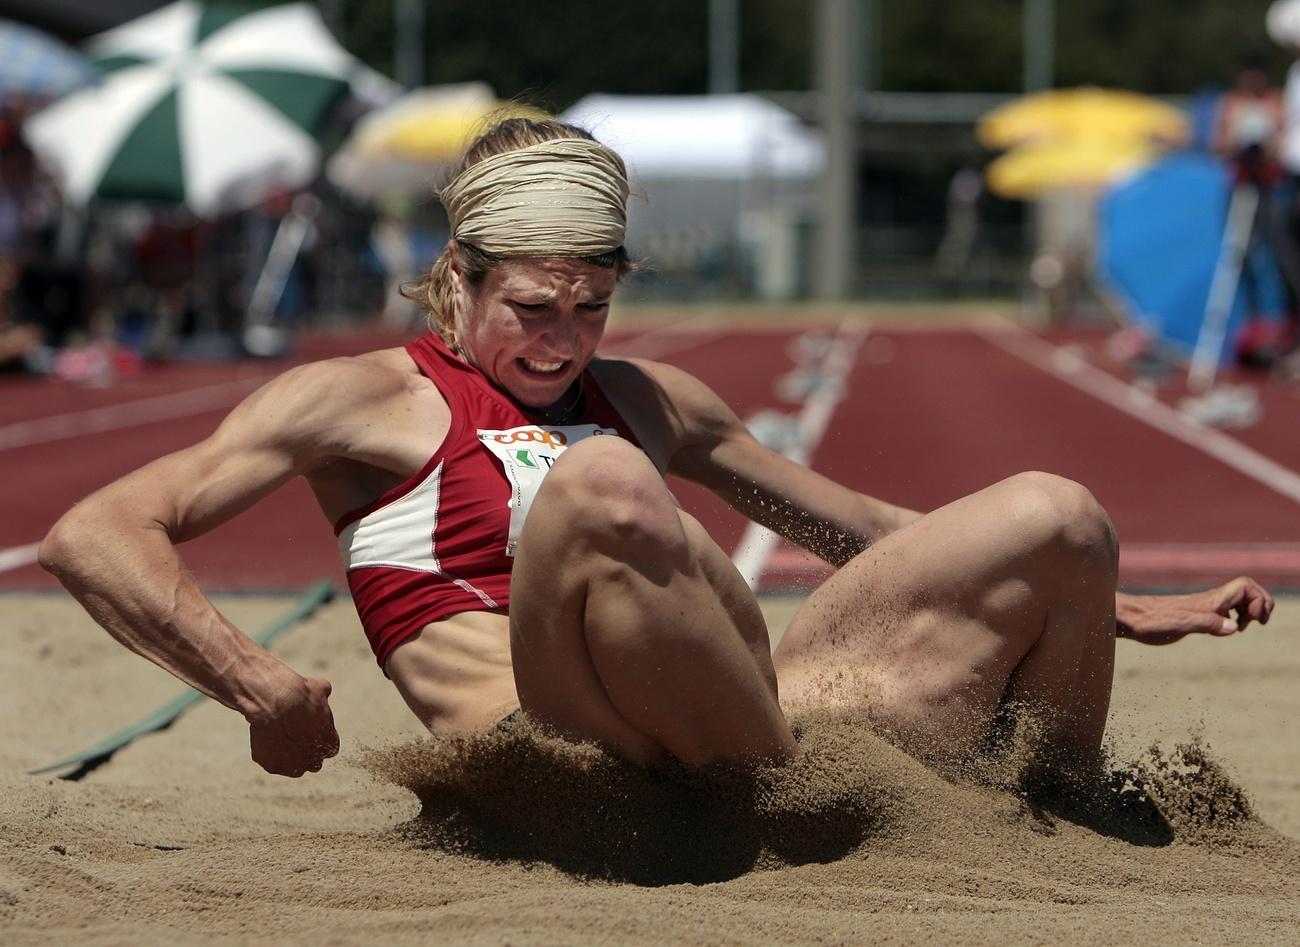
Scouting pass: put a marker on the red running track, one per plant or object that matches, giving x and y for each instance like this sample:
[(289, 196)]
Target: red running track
[(926, 417)]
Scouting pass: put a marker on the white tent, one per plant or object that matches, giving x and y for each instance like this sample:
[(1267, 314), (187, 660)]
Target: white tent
[(701, 136), (727, 182)]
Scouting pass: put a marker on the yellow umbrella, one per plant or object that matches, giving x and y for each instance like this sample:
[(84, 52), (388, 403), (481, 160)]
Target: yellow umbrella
[(408, 146), (438, 131), (1034, 169), (1084, 113)]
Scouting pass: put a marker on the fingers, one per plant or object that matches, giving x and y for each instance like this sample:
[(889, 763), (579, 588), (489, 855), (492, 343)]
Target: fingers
[(291, 767), (1208, 622), (300, 740), (1219, 612), (1247, 598), (1163, 637)]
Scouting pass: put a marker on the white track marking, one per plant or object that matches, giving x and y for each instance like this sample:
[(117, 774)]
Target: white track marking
[(127, 414), (654, 343), (17, 557), (758, 542), (1074, 370)]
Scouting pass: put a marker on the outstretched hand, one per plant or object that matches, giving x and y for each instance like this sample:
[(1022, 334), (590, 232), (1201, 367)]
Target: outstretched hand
[(299, 735), (1221, 611)]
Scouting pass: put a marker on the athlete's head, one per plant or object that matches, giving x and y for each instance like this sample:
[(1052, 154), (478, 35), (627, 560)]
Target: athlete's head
[(538, 213)]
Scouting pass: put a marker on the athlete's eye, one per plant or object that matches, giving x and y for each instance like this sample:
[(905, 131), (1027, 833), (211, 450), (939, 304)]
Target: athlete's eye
[(528, 307), (593, 307)]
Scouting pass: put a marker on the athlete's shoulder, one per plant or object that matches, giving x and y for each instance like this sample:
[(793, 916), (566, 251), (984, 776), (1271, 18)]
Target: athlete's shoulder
[(354, 378), (692, 406), (641, 371), (324, 397)]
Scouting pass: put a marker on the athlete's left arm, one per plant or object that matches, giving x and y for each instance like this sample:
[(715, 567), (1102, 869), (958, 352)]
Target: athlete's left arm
[(712, 447), (1220, 611)]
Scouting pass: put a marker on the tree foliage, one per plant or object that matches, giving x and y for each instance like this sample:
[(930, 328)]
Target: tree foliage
[(554, 52)]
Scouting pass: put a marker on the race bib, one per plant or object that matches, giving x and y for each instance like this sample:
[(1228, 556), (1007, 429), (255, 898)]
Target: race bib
[(527, 454)]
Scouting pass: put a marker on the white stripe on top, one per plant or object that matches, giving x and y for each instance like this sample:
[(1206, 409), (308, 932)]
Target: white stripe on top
[(401, 535)]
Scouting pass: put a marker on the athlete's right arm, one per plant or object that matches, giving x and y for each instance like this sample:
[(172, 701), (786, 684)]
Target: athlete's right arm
[(115, 552)]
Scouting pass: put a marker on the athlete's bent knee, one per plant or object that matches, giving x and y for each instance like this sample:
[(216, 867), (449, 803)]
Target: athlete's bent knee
[(1059, 513), (610, 489)]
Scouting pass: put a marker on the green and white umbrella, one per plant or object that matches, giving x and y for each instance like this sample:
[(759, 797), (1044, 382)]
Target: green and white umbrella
[(204, 104)]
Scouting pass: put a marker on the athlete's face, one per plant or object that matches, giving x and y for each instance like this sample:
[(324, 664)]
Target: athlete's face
[(531, 326)]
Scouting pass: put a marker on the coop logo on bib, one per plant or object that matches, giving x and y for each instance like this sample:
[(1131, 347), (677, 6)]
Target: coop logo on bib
[(527, 454)]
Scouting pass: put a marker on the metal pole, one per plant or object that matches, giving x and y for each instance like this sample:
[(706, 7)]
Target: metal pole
[(868, 29), (724, 46), (408, 42), (835, 70), (1040, 44), (1223, 288)]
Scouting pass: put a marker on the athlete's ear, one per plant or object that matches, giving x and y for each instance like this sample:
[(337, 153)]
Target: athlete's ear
[(460, 289)]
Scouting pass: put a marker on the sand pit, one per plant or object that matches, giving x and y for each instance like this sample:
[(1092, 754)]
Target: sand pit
[(518, 838)]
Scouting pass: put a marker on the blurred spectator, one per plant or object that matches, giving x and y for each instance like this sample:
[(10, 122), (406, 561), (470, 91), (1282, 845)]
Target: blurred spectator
[(961, 226), (39, 301), (1289, 156), (164, 257), (1249, 133), (19, 338), (390, 238), (1248, 127)]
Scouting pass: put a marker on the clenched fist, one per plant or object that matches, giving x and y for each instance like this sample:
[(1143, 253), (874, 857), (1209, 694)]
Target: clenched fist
[(297, 734)]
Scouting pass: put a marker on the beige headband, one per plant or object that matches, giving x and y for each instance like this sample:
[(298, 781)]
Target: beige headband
[(566, 197)]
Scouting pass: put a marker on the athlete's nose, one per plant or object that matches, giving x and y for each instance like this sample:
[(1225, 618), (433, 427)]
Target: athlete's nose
[(560, 338)]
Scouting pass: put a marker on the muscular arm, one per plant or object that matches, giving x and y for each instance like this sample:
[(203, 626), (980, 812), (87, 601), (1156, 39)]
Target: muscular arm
[(715, 449), (1220, 611), (115, 552)]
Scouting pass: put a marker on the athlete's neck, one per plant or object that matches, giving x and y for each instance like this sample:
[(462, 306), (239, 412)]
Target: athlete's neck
[(565, 411)]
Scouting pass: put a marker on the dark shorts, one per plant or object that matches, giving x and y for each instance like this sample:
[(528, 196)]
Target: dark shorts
[(506, 723)]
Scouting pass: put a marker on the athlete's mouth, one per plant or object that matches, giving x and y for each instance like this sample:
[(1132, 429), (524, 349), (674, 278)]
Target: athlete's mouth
[(536, 366)]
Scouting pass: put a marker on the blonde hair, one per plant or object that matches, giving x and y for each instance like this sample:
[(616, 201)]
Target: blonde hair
[(434, 292)]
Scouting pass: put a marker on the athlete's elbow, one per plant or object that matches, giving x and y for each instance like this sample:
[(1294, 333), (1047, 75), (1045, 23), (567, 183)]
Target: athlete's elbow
[(75, 540), (55, 553)]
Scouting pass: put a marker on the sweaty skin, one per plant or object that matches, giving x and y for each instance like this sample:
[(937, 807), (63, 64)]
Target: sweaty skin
[(655, 646)]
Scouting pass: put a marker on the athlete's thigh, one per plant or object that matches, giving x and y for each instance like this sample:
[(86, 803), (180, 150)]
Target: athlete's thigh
[(633, 646), (554, 584), (940, 611), (738, 601)]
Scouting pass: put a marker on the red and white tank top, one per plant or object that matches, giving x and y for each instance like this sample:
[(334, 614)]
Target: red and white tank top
[(441, 542)]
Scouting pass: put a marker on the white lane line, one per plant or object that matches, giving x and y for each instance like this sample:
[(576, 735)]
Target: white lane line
[(127, 414), (758, 542), (17, 557), (1074, 370), (653, 343)]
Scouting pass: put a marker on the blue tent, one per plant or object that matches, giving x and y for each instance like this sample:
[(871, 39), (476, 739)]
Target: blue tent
[(1159, 238)]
